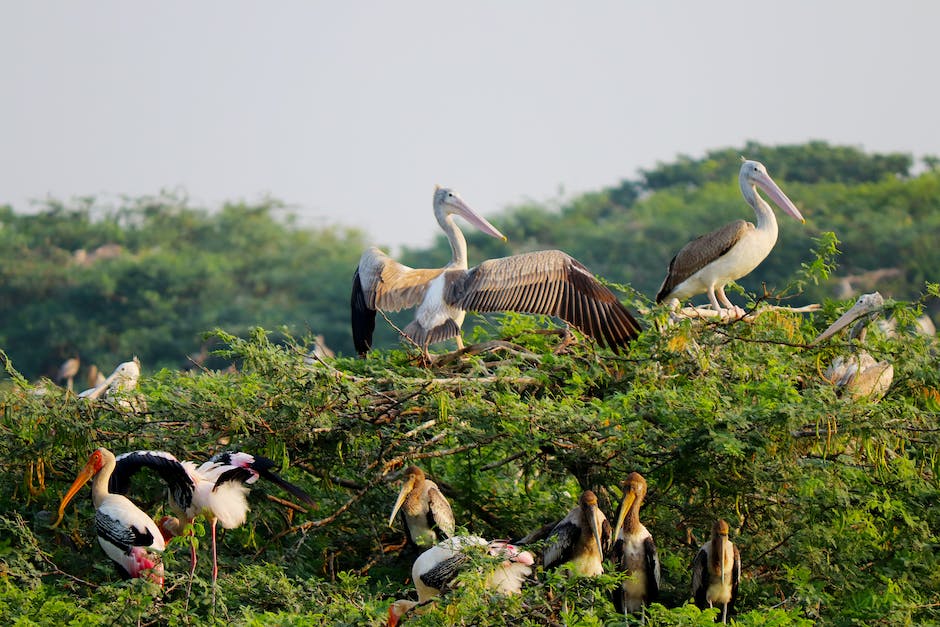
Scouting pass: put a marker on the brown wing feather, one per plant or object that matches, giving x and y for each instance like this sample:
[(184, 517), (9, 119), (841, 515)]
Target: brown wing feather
[(699, 253), (545, 282), (391, 286)]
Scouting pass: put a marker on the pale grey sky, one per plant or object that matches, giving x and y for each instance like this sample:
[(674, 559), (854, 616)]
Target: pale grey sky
[(350, 112)]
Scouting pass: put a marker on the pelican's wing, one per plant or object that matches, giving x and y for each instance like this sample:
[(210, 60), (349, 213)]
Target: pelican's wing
[(544, 282), (872, 379), (700, 578), (380, 282), (563, 539), (699, 253), (440, 515), (170, 469)]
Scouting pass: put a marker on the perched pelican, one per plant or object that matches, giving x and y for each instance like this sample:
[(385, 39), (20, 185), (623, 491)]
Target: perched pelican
[(716, 572), (425, 513), (128, 536), (708, 263), (578, 541), (122, 380), (436, 568), (634, 551), (544, 282), (67, 371), (217, 489), (858, 375)]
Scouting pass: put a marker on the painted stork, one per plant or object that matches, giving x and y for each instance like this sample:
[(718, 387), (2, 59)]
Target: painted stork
[(216, 490), (716, 572), (67, 371), (543, 282), (435, 569), (128, 536), (425, 513), (858, 375), (634, 551), (577, 542), (708, 263)]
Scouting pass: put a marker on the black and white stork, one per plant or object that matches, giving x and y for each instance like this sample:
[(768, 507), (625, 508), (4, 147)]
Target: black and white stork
[(425, 512), (128, 536)]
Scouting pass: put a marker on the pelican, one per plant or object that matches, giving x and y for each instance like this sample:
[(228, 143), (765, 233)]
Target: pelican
[(634, 551), (708, 263), (217, 489), (426, 514), (716, 572), (122, 380), (128, 536), (435, 569), (858, 375), (543, 282), (578, 541)]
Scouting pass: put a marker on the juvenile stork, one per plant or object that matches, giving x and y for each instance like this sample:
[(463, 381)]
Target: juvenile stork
[(708, 263), (128, 536), (577, 542), (716, 572), (544, 282), (634, 551), (858, 375), (435, 569), (216, 490), (425, 513), (67, 371)]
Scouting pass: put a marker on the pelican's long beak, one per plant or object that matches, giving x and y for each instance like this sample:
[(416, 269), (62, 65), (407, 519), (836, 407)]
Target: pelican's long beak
[(405, 489), (866, 304), (776, 194), (86, 473), (625, 506), (463, 210)]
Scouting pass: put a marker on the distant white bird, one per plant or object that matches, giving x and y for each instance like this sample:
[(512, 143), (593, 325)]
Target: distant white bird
[(435, 569), (122, 381), (716, 572), (544, 282), (708, 263), (67, 371), (126, 534)]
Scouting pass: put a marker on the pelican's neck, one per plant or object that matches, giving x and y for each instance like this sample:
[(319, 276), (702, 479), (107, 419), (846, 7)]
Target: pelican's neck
[(766, 221), (458, 244), (99, 485)]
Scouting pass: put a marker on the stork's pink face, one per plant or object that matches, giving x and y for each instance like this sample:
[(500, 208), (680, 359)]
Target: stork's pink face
[(512, 553)]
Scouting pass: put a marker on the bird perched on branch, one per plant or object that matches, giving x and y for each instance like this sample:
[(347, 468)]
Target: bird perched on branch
[(127, 535), (425, 513), (634, 551), (716, 572), (578, 541)]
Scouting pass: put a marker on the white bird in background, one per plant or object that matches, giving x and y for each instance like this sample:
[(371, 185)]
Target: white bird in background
[(67, 371), (716, 572), (120, 382), (544, 282), (708, 263), (435, 569), (128, 536)]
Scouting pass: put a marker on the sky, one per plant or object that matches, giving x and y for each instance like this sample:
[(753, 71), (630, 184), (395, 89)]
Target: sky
[(351, 112)]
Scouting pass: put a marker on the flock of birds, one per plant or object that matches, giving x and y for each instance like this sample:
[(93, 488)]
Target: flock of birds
[(543, 282), (579, 543)]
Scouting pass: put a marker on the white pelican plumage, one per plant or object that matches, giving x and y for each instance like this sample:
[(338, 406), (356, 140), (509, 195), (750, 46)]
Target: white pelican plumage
[(126, 534), (578, 541), (716, 572), (708, 263), (435, 569), (634, 551), (544, 282), (858, 374), (426, 514)]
